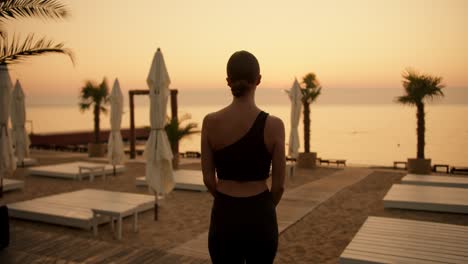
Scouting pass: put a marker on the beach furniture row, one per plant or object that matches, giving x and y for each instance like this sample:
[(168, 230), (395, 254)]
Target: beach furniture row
[(89, 208), (388, 240)]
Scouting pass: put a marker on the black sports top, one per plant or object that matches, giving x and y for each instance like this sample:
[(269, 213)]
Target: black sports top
[(248, 158)]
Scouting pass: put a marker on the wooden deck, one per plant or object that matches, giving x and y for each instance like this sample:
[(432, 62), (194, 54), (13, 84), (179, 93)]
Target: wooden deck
[(31, 246), (388, 240)]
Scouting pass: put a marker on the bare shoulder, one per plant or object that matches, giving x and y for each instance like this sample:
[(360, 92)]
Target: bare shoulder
[(274, 124), (211, 117)]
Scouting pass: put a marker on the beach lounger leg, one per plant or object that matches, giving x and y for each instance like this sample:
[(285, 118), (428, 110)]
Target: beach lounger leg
[(119, 227), (95, 225), (135, 221), (112, 223)]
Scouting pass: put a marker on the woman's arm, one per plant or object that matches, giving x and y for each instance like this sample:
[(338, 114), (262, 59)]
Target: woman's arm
[(276, 134), (207, 162)]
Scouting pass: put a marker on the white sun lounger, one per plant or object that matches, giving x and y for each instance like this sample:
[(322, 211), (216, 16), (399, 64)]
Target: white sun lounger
[(389, 240), (10, 185), (83, 208), (429, 180), (72, 170), (184, 180), (26, 162), (427, 198)]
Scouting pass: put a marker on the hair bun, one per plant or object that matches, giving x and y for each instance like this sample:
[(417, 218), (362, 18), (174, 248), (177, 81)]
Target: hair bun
[(239, 88)]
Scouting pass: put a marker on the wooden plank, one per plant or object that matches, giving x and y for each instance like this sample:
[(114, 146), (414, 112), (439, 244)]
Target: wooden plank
[(360, 257), (429, 180), (408, 236), (384, 240), (421, 231), (408, 253), (415, 223), (452, 248)]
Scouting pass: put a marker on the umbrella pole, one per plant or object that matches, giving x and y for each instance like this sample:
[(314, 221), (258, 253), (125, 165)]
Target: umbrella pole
[(114, 170), (156, 206)]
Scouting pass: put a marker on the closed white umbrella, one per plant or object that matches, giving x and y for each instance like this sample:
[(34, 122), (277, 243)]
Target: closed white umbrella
[(7, 160), (295, 96), (159, 175), (115, 148), (18, 119)]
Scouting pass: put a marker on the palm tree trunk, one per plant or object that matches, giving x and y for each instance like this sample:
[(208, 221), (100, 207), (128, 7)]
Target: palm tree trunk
[(97, 111), (306, 127), (421, 130)]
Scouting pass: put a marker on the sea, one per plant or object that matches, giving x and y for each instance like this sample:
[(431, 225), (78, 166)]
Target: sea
[(363, 126)]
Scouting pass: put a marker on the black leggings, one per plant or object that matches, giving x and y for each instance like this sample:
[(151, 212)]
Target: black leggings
[(243, 229)]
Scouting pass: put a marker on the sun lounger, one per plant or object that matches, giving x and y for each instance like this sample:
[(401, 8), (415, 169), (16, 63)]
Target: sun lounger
[(443, 166), (389, 240), (459, 170), (192, 154), (396, 163), (26, 162), (10, 185), (75, 170), (328, 161), (184, 180), (427, 198), (429, 180), (84, 208)]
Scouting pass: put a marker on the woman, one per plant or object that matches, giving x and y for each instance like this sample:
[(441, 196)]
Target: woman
[(240, 142)]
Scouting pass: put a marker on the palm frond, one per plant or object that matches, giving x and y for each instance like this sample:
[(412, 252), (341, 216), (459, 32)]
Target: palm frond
[(45, 9), (84, 106), (420, 87), (18, 50)]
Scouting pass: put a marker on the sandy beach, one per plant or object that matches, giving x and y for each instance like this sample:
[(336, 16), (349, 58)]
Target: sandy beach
[(319, 237)]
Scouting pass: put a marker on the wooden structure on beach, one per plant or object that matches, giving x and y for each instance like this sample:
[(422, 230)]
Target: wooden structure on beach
[(133, 136)]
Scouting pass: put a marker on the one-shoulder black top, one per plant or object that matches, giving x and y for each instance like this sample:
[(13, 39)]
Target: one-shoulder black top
[(248, 158)]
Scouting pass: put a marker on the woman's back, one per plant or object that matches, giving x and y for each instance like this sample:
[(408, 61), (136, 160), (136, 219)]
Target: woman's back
[(239, 142)]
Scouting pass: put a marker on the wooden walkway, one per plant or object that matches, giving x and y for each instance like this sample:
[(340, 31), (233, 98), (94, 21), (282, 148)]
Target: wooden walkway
[(295, 205), (30, 246)]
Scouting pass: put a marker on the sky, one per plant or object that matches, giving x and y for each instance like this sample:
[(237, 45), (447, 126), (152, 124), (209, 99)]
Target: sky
[(347, 43)]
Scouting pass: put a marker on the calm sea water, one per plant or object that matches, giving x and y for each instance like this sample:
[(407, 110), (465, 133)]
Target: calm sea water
[(372, 134)]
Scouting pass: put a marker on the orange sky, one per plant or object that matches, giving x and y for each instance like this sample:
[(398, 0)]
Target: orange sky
[(355, 43)]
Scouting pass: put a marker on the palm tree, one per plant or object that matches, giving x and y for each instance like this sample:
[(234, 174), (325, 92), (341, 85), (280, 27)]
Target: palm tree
[(95, 96), (176, 132), (17, 49), (418, 89), (310, 93)]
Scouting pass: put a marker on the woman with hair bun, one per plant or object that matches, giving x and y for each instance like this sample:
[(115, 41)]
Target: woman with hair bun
[(239, 144)]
